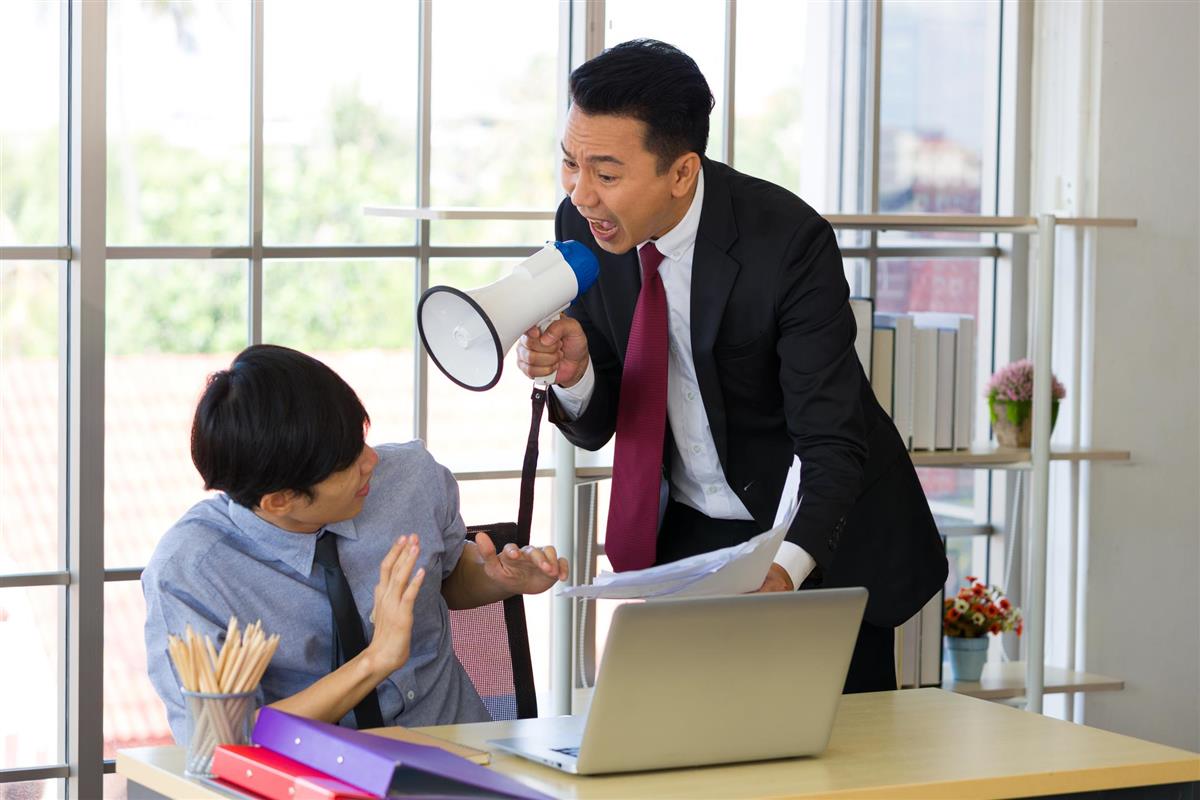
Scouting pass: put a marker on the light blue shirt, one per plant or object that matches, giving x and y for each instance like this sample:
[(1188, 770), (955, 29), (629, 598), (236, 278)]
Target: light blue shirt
[(221, 559)]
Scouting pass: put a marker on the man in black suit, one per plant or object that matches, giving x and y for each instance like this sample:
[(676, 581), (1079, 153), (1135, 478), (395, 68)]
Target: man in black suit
[(720, 351)]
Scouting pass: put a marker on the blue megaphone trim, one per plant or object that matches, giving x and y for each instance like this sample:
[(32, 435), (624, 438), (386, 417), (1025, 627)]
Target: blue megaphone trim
[(582, 262)]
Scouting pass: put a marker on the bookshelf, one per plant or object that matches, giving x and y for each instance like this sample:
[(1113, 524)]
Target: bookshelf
[(1036, 460)]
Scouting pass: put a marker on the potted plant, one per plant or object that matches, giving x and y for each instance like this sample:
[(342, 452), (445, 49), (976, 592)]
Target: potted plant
[(1010, 401), (969, 618)]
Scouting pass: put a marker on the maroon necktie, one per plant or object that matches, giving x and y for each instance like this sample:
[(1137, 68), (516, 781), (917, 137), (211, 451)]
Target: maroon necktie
[(641, 425)]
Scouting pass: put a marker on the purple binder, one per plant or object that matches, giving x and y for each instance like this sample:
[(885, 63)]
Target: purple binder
[(383, 767)]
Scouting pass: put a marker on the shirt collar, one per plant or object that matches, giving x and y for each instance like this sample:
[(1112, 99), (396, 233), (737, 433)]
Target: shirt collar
[(297, 550), (675, 243)]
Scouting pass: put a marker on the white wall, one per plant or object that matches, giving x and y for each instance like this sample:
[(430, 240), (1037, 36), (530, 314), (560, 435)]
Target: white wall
[(1142, 572)]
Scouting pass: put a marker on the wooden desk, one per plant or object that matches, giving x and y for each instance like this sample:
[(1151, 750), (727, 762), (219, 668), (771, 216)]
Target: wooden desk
[(924, 743)]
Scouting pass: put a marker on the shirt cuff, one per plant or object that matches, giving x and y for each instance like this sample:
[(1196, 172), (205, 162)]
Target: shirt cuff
[(795, 561), (574, 401)]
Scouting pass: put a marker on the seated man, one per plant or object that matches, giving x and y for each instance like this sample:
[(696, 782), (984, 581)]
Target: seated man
[(334, 545)]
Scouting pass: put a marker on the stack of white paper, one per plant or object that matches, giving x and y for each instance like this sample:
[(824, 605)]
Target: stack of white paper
[(732, 570)]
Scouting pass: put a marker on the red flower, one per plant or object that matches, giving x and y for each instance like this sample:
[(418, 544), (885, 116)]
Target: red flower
[(971, 579), (1005, 604), (965, 594), (978, 590), (992, 610), (995, 627), (953, 613), (1020, 627)]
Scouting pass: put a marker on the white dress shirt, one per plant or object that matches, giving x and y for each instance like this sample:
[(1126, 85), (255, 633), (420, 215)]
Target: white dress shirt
[(697, 479)]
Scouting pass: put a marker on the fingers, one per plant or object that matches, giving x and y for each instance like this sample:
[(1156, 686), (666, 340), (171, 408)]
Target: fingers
[(544, 559), (485, 546), (385, 569), (403, 567), (414, 588)]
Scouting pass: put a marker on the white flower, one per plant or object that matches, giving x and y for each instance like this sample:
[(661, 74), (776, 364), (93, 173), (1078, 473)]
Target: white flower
[(977, 618), (961, 605)]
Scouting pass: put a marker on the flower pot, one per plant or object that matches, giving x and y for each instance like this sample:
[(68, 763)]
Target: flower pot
[(967, 656), (1013, 421)]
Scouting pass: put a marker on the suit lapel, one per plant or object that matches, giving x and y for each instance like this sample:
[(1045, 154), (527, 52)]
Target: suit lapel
[(713, 275)]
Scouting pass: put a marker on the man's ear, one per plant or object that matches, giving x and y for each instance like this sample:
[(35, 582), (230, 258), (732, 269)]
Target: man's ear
[(278, 503), (684, 173)]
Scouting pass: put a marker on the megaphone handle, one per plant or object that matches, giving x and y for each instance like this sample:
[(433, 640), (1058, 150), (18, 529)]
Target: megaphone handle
[(547, 380)]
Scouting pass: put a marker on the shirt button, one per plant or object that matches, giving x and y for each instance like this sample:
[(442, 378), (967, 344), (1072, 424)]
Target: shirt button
[(691, 395), (713, 490), (697, 449), (411, 694)]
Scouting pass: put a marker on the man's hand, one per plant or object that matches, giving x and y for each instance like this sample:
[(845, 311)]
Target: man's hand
[(777, 580), (561, 349), (394, 598), (520, 570)]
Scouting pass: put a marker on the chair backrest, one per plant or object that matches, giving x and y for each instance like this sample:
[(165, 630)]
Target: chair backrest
[(492, 644)]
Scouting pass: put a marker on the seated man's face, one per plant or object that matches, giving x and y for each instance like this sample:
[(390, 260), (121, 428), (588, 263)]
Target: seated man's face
[(338, 497)]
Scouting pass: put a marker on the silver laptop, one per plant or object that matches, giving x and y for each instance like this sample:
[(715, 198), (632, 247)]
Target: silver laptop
[(708, 680)]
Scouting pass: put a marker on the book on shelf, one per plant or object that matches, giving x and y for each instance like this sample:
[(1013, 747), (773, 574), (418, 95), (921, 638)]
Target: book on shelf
[(965, 361), (919, 647), (903, 360), (943, 434), (883, 358), (925, 375), (863, 309), (931, 642)]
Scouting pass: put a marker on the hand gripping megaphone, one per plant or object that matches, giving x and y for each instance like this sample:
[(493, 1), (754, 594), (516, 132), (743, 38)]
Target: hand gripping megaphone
[(467, 333)]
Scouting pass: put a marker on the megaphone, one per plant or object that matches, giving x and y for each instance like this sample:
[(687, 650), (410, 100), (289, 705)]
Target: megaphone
[(467, 333)]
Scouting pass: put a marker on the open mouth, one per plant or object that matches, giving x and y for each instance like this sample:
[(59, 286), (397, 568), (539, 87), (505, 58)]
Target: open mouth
[(603, 229)]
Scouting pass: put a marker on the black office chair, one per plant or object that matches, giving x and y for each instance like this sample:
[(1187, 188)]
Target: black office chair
[(492, 644)]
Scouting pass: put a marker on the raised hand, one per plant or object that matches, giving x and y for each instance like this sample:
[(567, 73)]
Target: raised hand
[(521, 570), (395, 595)]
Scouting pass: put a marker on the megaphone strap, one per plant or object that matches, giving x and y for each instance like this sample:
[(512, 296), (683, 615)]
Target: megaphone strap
[(529, 467)]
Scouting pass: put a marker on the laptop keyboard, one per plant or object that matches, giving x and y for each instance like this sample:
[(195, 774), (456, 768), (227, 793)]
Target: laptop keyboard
[(573, 752)]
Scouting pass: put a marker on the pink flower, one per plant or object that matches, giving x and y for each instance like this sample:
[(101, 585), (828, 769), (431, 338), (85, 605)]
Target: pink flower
[(1014, 382)]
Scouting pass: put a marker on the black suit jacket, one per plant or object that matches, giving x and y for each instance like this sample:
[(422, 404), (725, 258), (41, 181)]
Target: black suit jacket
[(773, 346)]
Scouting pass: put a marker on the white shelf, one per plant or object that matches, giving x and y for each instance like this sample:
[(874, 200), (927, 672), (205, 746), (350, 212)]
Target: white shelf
[(1006, 680), (876, 222), (458, 213), (984, 457)]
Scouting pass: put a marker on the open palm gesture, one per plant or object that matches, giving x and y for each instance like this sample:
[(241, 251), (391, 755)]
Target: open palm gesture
[(521, 570)]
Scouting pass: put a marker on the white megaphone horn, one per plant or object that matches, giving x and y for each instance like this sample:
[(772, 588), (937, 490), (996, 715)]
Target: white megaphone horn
[(467, 333)]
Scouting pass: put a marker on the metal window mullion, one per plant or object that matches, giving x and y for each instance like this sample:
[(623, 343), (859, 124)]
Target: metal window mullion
[(730, 79), (873, 76), (254, 321), (64, 305), (42, 773), (85, 289), (25, 579), (123, 574), (424, 171), (36, 252)]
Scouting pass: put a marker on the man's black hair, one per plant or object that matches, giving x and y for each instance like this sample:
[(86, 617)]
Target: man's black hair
[(277, 419), (654, 82)]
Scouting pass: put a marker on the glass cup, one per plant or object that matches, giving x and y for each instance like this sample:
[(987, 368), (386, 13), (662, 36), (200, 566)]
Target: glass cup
[(214, 719)]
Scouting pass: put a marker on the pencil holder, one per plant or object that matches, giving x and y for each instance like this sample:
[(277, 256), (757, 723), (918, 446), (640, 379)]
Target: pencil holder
[(215, 718)]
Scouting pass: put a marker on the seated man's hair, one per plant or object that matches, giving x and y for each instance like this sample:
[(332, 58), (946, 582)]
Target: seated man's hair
[(277, 419), (654, 82)]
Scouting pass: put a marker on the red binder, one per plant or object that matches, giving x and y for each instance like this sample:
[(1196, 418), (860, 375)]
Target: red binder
[(277, 777)]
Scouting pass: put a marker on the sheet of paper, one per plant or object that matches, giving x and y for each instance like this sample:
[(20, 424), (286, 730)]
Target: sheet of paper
[(731, 570)]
